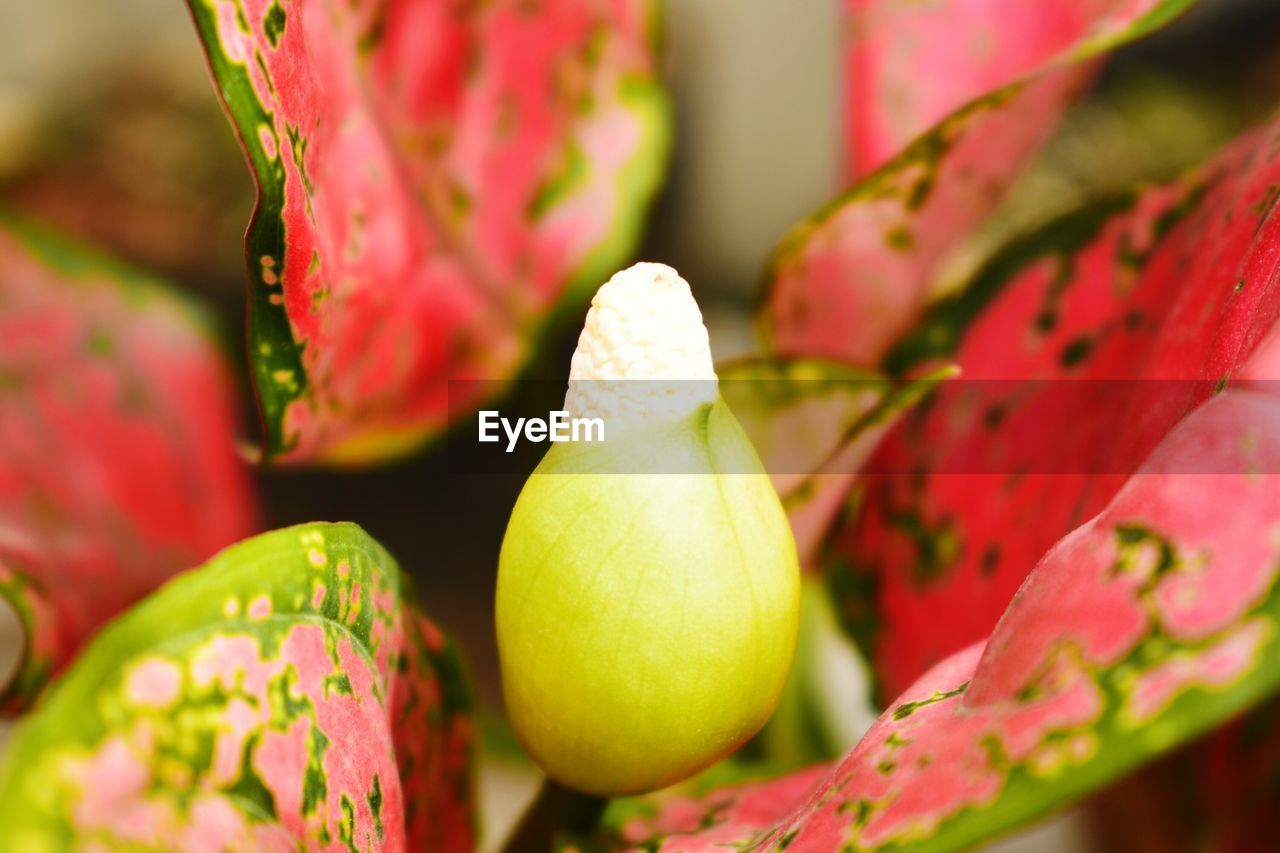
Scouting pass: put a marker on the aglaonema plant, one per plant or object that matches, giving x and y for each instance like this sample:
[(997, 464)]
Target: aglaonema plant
[(286, 695), (1165, 295), (946, 101), (434, 179), (932, 154), (1144, 627), (1043, 618), (1170, 294), (117, 459)]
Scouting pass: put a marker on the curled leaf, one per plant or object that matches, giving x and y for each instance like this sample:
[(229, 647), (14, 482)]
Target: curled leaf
[(1081, 346), (1145, 627), (910, 65), (287, 694), (814, 424), (434, 178), (852, 279)]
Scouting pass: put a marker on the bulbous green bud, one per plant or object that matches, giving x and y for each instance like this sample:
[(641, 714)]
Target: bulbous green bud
[(646, 621)]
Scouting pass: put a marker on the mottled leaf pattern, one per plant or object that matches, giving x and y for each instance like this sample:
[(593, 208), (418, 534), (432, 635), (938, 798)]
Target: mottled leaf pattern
[(814, 423), (1148, 625), (908, 65), (1150, 304), (117, 462), (848, 282), (287, 694), (434, 178)]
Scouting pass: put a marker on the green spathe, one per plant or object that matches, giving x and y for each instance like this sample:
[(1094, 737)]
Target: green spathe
[(646, 621)]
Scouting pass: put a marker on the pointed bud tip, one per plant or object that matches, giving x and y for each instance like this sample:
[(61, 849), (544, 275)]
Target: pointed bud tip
[(643, 325)]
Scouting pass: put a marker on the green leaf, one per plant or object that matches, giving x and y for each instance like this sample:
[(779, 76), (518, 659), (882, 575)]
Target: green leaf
[(285, 694)]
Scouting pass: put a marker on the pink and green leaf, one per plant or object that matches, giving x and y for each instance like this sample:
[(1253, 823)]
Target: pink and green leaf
[(435, 180), (852, 279), (287, 694), (908, 65), (117, 458), (1081, 346), (814, 423), (1144, 628)]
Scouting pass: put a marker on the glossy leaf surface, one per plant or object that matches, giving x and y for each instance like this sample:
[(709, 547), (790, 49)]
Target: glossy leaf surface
[(434, 179), (908, 65), (848, 282), (1143, 628), (117, 427), (287, 694), (1080, 347), (814, 424)]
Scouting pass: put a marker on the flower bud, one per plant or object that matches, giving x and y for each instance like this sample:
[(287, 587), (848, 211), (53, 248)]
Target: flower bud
[(648, 586)]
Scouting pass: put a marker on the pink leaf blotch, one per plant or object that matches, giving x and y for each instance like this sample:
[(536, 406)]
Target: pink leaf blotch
[(1060, 698), (118, 465), (947, 101), (1080, 349), (434, 179), (235, 708)]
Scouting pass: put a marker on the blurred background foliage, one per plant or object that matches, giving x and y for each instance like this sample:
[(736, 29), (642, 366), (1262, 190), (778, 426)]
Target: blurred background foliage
[(110, 131)]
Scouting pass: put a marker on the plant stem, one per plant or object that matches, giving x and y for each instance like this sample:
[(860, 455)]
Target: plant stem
[(556, 809)]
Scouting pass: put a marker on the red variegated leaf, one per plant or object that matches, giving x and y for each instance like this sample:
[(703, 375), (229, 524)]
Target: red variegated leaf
[(1153, 622), (286, 695), (117, 461), (847, 283), (908, 65), (434, 179), (814, 424), (1147, 306)]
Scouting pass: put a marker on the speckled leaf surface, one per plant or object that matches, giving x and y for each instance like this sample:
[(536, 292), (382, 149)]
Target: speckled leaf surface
[(117, 461), (434, 179), (286, 695), (814, 423), (849, 281), (1080, 346), (1140, 630), (908, 65)]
